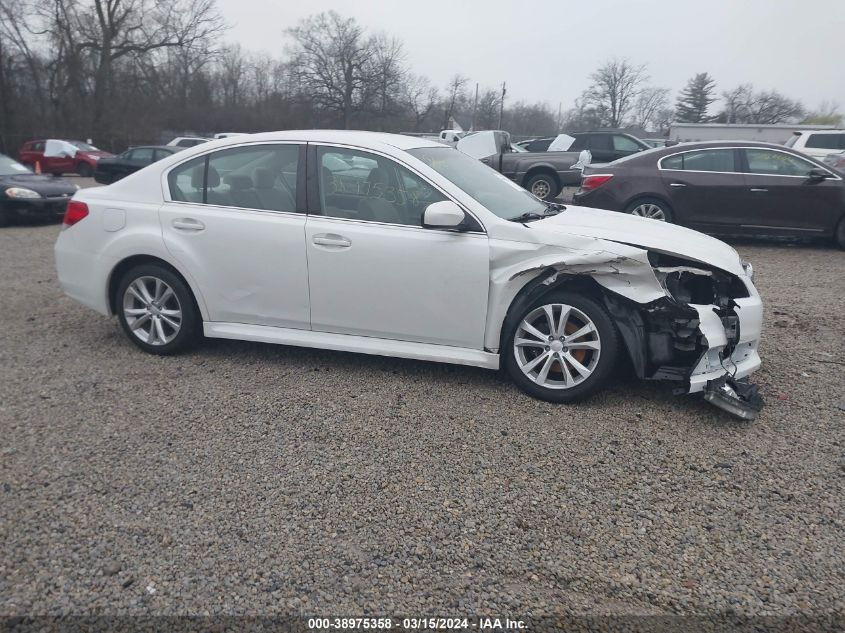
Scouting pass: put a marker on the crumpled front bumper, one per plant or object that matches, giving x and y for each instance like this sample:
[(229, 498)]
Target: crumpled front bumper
[(744, 358)]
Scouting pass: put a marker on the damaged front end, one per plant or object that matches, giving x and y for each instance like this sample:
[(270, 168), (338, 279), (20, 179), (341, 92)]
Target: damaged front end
[(703, 333)]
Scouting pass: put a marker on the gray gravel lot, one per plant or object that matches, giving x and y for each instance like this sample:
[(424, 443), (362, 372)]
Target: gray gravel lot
[(249, 478)]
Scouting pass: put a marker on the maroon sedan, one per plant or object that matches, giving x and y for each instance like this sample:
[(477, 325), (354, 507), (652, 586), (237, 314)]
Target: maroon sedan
[(723, 188)]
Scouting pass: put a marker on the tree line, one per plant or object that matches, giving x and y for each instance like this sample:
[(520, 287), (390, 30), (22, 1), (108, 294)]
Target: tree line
[(129, 71)]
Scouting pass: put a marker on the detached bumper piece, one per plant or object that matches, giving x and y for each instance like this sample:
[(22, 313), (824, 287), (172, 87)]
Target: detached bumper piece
[(738, 397)]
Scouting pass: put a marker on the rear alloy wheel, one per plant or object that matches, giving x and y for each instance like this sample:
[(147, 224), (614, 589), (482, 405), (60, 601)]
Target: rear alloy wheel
[(563, 348), (544, 186), (651, 209), (156, 310)]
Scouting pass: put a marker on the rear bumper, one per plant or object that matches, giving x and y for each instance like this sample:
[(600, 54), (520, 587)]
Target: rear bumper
[(81, 274)]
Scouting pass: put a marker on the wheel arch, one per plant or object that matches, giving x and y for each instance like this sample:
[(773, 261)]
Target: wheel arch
[(618, 308), (539, 287), (124, 265)]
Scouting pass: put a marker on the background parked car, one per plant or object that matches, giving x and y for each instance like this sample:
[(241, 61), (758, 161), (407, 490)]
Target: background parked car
[(62, 156), (545, 173), (187, 141), (817, 143), (27, 195), (111, 169), (837, 161), (723, 188)]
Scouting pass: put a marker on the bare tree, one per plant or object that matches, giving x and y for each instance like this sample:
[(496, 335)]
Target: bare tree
[(744, 105), (457, 93), (103, 33), (332, 54), (828, 113), (386, 73), (615, 87), (649, 104), (420, 97)]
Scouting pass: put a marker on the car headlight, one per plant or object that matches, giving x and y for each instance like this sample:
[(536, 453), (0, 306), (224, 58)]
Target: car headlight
[(21, 192), (749, 269)]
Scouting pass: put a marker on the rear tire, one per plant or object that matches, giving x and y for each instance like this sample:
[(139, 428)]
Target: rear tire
[(561, 362), (157, 310), (651, 208), (839, 236), (544, 186), (4, 218)]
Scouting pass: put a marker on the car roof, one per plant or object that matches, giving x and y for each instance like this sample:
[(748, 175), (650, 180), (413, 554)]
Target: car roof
[(348, 137), (685, 147), (169, 148)]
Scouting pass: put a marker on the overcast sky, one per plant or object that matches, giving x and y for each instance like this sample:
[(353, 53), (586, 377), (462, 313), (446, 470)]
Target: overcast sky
[(545, 50)]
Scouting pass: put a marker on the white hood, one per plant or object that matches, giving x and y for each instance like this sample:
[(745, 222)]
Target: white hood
[(643, 232)]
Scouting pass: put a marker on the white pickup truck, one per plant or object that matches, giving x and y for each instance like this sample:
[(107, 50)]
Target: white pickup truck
[(817, 143)]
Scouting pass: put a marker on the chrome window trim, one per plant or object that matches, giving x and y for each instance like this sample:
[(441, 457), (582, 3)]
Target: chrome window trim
[(436, 187), (741, 173)]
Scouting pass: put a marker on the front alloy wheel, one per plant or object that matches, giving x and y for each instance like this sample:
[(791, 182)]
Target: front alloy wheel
[(557, 346), (562, 348)]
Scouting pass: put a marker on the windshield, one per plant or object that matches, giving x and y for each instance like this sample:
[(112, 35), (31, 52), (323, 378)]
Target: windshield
[(792, 139), (498, 194), (85, 147), (9, 167)]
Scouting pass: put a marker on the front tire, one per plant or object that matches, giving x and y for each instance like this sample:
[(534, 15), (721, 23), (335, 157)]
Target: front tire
[(650, 208), (562, 348), (157, 310), (84, 170), (544, 186)]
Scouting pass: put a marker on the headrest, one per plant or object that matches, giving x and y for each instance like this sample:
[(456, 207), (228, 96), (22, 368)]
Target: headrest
[(264, 178), (197, 176), (238, 182), (377, 176), (213, 178)]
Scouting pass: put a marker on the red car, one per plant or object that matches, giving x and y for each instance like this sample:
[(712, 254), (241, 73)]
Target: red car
[(62, 157)]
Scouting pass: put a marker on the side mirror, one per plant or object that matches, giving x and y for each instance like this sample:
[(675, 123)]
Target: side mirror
[(443, 215), (816, 174)]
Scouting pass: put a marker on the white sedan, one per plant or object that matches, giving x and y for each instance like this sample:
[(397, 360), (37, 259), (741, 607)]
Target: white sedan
[(399, 246)]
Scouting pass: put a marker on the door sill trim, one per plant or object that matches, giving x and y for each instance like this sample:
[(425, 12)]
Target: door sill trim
[(352, 343)]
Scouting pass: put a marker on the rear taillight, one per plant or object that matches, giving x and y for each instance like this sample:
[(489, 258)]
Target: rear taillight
[(591, 182), (75, 212)]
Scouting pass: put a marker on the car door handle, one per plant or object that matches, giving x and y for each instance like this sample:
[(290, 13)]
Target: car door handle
[(188, 224), (330, 239), (677, 184), (755, 190)]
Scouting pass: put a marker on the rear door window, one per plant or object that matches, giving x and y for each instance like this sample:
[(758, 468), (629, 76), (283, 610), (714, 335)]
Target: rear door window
[(715, 160), (262, 177)]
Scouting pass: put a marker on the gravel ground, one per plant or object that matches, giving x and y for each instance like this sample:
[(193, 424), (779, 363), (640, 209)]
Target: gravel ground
[(260, 479)]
